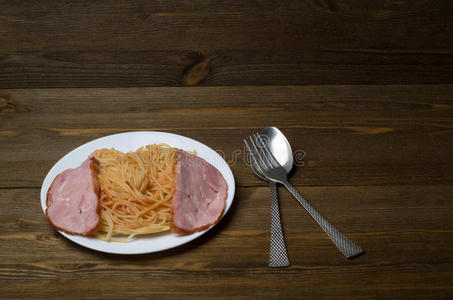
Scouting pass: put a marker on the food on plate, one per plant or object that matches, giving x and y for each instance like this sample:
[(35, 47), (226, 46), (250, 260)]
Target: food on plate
[(73, 199), (201, 191), (153, 189), (136, 190)]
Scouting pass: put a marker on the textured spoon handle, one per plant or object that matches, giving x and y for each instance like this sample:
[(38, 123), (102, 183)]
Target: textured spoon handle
[(278, 256), (345, 245)]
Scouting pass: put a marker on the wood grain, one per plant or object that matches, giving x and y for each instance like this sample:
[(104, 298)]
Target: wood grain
[(363, 90), (382, 219), (136, 44), (209, 6), (340, 133), (224, 68), (225, 30)]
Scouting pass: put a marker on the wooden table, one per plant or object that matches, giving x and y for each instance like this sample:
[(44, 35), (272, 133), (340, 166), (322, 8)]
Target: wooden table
[(362, 89)]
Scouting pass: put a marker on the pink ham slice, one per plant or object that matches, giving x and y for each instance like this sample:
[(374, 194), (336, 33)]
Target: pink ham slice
[(201, 192), (73, 199)]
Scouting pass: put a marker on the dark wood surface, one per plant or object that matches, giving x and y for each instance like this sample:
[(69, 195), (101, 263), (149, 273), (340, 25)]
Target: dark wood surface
[(362, 89)]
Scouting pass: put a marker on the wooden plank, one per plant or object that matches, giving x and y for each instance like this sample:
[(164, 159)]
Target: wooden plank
[(40, 69), (112, 282), (404, 100), (405, 231), (96, 31), (194, 6), (123, 45), (410, 144)]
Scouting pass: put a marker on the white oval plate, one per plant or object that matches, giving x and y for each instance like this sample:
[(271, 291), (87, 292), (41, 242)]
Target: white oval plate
[(131, 141)]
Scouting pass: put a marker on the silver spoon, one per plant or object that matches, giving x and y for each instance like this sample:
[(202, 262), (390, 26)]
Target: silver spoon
[(281, 149), (273, 171)]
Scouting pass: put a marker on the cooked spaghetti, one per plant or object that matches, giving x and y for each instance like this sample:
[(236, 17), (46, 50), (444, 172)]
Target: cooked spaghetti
[(136, 191)]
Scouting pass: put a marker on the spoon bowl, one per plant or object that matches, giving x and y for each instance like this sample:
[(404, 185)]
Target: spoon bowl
[(277, 143)]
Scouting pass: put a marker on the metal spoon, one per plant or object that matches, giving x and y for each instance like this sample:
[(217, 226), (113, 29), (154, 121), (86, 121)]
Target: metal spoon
[(281, 149), (273, 171)]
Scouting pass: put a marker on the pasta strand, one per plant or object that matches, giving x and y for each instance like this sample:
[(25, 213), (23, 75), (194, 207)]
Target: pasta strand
[(136, 191)]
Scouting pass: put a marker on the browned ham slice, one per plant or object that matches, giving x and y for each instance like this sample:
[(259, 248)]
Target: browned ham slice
[(73, 199), (200, 196)]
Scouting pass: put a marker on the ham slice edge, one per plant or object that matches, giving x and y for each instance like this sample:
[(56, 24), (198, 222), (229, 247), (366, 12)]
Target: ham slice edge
[(73, 199), (200, 197)]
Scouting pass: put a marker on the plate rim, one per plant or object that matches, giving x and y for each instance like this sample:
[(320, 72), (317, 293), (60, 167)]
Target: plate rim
[(84, 241)]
